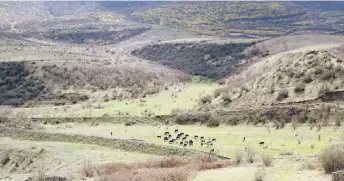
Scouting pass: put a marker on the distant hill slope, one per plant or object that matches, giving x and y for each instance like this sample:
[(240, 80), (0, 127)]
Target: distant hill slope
[(20, 11), (248, 18)]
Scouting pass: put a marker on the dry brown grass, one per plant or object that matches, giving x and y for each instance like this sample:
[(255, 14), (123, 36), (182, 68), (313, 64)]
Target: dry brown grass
[(332, 158), (165, 169)]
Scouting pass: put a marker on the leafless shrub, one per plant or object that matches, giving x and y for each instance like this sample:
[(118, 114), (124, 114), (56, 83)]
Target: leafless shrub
[(332, 158), (87, 169), (239, 156), (267, 159), (259, 175), (251, 154), (41, 175)]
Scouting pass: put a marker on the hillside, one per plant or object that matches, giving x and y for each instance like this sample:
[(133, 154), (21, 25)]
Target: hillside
[(245, 18), (293, 72)]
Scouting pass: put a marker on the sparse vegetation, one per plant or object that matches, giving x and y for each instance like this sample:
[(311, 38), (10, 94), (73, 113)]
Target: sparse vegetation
[(169, 168)]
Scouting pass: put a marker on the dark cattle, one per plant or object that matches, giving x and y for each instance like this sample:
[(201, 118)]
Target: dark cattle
[(111, 133), (187, 135), (181, 143), (159, 137), (176, 130), (171, 141), (201, 143), (165, 139), (185, 144), (195, 137), (191, 143), (211, 145), (166, 133), (261, 143), (181, 134), (169, 136), (212, 151), (244, 139), (213, 139), (178, 137), (202, 137), (183, 139)]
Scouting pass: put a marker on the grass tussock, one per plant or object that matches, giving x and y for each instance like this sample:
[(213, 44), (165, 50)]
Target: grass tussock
[(332, 158), (169, 168)]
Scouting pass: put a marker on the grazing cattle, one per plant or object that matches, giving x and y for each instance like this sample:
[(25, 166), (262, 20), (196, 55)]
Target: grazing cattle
[(165, 139), (202, 137), (211, 145), (185, 144), (170, 142), (181, 134), (187, 135), (195, 137), (213, 139), (181, 143), (169, 136), (111, 133), (159, 137), (202, 144), (166, 133), (244, 139), (190, 142), (261, 143), (183, 139), (203, 141), (212, 150), (176, 130), (178, 137)]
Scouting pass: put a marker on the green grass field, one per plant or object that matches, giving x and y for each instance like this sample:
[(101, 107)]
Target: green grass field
[(228, 138), (186, 97)]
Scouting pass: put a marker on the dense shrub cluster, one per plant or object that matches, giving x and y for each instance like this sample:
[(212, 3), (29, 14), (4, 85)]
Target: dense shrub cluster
[(210, 60), (17, 85)]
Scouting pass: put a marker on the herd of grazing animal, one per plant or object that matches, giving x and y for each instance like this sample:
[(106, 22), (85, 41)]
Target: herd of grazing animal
[(185, 140)]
